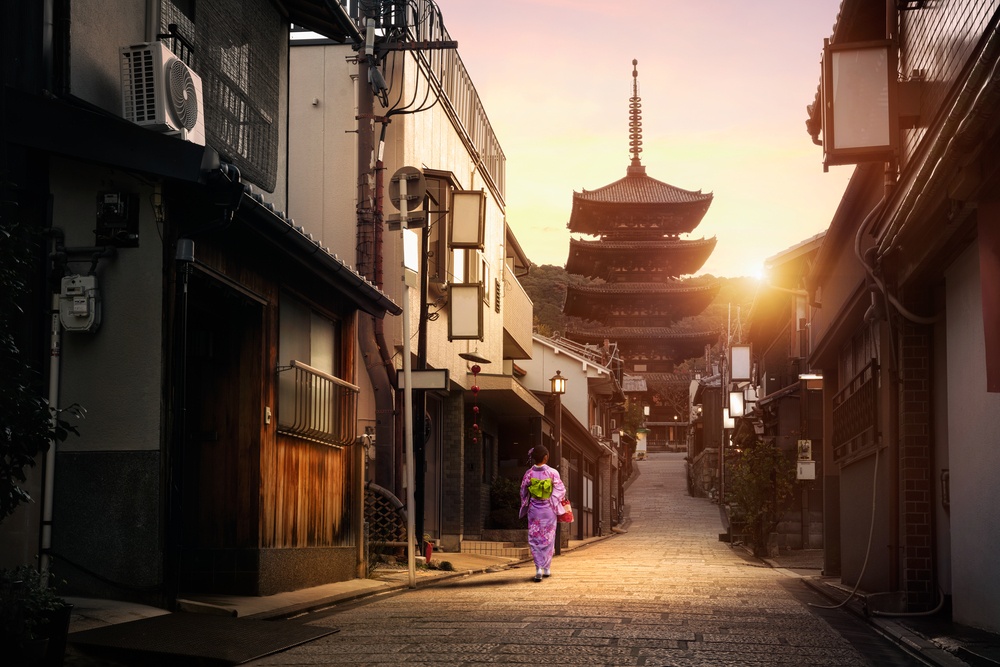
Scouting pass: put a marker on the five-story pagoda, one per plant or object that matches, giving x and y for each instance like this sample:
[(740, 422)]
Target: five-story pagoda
[(639, 254)]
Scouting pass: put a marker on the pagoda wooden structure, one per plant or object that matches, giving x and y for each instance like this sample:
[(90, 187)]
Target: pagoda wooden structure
[(640, 255)]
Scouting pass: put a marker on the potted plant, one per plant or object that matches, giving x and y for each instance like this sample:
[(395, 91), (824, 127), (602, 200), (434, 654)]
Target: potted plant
[(33, 618)]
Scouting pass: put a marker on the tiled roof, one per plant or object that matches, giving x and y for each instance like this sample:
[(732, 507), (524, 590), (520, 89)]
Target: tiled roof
[(633, 383), (637, 333), (643, 245), (652, 289), (668, 378), (637, 188)]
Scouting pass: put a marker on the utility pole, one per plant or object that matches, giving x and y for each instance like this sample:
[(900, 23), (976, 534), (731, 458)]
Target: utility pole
[(374, 349)]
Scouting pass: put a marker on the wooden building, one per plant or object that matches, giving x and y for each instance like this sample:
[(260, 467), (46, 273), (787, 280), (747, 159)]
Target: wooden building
[(905, 326), (210, 337)]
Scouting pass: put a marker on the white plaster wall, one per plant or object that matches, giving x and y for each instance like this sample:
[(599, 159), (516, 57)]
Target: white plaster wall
[(429, 140), (98, 29), (323, 188), (116, 372), (544, 363), (323, 146), (974, 442)]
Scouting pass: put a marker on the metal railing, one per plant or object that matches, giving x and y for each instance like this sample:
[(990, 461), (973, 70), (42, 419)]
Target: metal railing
[(316, 406)]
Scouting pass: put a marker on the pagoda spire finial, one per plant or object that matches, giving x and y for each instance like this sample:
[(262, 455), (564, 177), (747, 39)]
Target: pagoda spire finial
[(635, 123)]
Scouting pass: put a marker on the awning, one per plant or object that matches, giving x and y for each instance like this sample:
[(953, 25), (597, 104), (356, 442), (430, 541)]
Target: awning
[(506, 396), (791, 390)]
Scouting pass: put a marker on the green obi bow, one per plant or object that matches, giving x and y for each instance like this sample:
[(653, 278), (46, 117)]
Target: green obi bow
[(540, 488)]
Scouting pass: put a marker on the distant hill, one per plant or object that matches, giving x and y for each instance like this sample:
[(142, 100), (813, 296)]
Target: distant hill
[(546, 285)]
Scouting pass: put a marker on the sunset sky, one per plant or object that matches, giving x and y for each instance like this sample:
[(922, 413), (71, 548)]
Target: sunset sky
[(724, 87)]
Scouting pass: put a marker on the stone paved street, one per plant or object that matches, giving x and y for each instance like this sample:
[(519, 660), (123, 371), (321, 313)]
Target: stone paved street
[(666, 593)]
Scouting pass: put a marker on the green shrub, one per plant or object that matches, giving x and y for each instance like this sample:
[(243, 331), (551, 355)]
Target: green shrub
[(761, 480), (26, 604)]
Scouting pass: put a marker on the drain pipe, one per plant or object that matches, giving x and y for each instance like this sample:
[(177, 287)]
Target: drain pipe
[(48, 493), (371, 337)]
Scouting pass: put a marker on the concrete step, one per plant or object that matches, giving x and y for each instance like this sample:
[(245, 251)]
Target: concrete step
[(505, 549)]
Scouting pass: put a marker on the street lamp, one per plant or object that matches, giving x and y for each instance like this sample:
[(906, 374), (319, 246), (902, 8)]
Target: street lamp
[(558, 383), (558, 386), (737, 407)]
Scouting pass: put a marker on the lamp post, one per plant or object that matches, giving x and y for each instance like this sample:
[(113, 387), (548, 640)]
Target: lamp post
[(558, 386)]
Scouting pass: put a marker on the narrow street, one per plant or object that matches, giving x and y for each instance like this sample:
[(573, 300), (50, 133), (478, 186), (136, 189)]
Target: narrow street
[(666, 593)]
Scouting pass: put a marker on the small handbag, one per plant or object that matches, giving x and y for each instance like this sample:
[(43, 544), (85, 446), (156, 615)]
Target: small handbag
[(564, 512)]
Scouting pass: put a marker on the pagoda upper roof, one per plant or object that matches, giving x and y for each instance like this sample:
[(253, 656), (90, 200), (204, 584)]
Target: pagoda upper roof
[(638, 201), (617, 259)]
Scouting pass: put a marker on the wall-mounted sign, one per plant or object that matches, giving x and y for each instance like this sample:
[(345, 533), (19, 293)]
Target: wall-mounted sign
[(805, 450)]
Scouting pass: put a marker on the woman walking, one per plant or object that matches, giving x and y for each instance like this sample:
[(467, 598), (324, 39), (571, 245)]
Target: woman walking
[(542, 491)]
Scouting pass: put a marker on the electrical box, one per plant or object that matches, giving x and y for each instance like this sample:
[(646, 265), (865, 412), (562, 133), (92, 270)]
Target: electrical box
[(117, 219), (79, 303), (805, 470)]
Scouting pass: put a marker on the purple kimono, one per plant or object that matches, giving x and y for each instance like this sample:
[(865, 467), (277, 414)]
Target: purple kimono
[(541, 514)]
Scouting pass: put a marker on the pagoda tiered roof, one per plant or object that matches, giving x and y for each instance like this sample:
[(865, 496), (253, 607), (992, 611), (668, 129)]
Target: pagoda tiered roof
[(637, 260), (649, 342), (639, 220), (638, 202), (660, 302)]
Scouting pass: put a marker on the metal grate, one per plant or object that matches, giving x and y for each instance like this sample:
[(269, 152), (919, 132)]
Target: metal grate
[(236, 50), (855, 414), (139, 85)]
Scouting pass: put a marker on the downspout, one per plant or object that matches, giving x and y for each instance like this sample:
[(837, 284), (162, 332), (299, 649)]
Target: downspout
[(48, 493), (51, 74), (152, 19), (371, 337)]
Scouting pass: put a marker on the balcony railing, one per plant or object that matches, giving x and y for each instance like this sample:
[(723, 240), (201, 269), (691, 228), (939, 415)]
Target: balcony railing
[(316, 406), (855, 415)]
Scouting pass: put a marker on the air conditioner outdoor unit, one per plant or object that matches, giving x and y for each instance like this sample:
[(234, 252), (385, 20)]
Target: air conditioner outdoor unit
[(162, 93), (597, 431)]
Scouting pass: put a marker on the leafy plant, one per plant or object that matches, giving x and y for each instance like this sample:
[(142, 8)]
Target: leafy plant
[(29, 423), (26, 605), (762, 479)]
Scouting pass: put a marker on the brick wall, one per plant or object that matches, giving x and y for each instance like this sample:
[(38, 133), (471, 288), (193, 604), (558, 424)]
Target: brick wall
[(452, 471), (915, 479)]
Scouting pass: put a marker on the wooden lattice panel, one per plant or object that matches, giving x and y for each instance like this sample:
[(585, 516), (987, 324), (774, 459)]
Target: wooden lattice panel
[(385, 516)]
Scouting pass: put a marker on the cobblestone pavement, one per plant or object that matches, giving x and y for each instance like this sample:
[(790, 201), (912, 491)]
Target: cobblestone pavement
[(666, 593)]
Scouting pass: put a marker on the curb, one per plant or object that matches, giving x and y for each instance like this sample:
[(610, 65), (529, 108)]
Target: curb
[(914, 645), (395, 587)]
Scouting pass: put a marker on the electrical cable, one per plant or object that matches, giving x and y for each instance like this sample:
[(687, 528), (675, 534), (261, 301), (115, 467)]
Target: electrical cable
[(870, 272), (868, 549)]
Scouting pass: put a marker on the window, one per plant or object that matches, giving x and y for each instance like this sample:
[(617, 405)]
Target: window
[(313, 402), (307, 336)]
